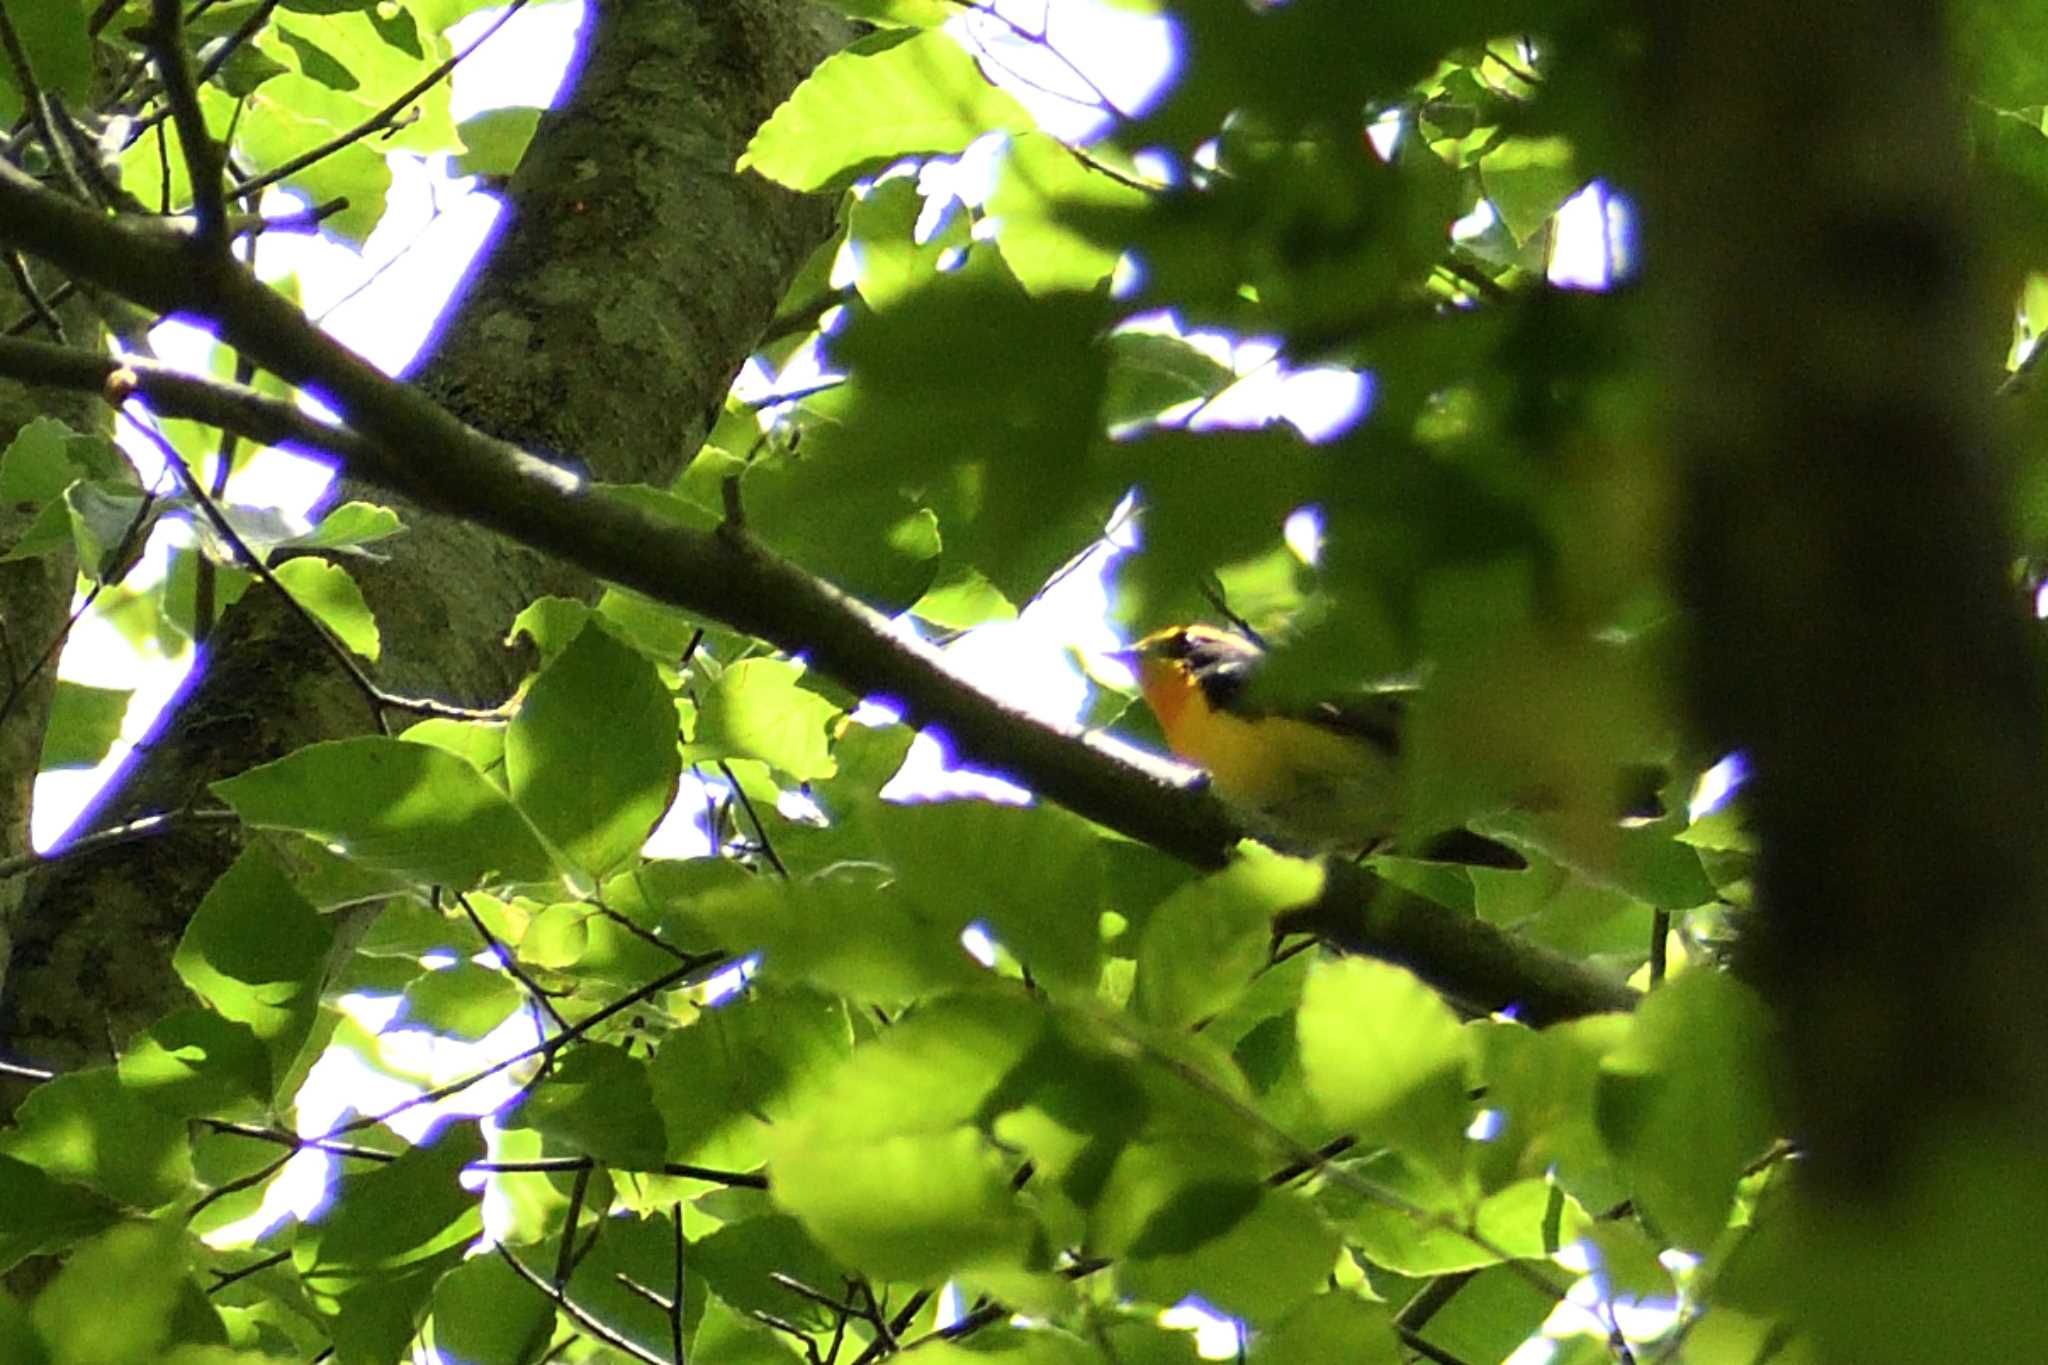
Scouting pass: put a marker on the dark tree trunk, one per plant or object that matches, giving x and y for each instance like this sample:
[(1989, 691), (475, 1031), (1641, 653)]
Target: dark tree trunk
[(634, 274)]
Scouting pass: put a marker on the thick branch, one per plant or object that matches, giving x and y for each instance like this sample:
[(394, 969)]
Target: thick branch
[(728, 575)]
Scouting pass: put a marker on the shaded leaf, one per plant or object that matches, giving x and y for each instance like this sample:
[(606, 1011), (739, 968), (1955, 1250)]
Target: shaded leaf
[(395, 807)]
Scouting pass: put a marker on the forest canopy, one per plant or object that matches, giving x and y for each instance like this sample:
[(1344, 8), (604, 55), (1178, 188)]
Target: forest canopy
[(853, 1075)]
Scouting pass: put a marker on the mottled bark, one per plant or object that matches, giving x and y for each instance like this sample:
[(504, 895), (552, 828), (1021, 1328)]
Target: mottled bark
[(35, 599), (633, 274)]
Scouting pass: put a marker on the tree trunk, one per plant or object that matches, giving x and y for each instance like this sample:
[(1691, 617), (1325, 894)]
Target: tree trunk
[(632, 276)]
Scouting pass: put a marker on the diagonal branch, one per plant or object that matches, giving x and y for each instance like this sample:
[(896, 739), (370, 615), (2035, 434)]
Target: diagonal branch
[(399, 438)]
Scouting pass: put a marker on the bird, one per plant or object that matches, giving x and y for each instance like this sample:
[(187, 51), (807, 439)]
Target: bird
[(1318, 779), (1325, 777)]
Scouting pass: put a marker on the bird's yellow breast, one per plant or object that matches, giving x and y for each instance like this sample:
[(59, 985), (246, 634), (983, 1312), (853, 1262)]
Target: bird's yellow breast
[(1298, 783)]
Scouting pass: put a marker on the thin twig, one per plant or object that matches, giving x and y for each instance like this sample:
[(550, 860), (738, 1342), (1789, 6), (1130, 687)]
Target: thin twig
[(565, 1263), (754, 817), (253, 1178), (35, 104), (510, 962), (18, 688), (380, 700), (249, 28), (384, 118), (1371, 1190), (146, 827), (85, 163), (675, 1300), (576, 1312), (205, 159), (545, 1048), (223, 1278), (38, 306)]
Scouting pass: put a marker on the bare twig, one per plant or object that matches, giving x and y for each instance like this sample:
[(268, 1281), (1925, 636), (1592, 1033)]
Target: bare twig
[(510, 962), (545, 1048), (205, 159), (754, 817), (581, 1316), (38, 306), (379, 699), (149, 826)]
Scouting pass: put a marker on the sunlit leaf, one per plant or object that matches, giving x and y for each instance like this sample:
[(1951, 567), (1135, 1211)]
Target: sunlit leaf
[(591, 753), (886, 96), (1384, 1056), (330, 594)]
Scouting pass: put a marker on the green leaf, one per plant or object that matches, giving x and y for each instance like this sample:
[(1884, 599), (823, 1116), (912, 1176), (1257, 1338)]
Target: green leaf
[(109, 522), (1529, 1220), (369, 1266), (59, 52), (246, 68), (1542, 1083), (256, 952), (598, 1100), (495, 140), (897, 13), (315, 61), (882, 1164), (351, 525), (462, 1001), (848, 930), (395, 807), (1331, 1329), (481, 744), (331, 595), (1492, 1314), (292, 112), (44, 1214), (887, 96), (49, 533), (907, 1206), (194, 1062), (724, 1337), (1033, 873), (484, 1311), (1685, 1102), (610, 1280), (84, 723), (757, 709), (1203, 944), (721, 1079), (591, 754), (981, 403), (737, 1260), (1150, 372), (1038, 180), (880, 232), (42, 461), (1259, 1264), (1385, 1057), (550, 623), (148, 1263), (85, 1126), (1528, 179)]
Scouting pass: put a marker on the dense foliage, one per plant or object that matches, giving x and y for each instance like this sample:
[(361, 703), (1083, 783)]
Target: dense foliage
[(765, 1104)]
